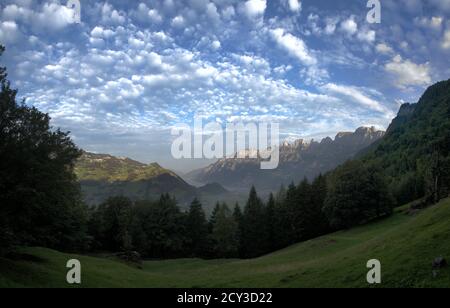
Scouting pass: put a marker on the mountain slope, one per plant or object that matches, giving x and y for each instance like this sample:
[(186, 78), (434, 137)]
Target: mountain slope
[(102, 176), (406, 244), (103, 167), (298, 160), (405, 154)]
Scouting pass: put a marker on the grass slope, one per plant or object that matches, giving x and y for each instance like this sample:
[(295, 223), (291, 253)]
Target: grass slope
[(107, 168), (406, 245)]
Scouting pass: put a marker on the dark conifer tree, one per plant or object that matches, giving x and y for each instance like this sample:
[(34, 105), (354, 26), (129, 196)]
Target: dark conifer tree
[(224, 233), (237, 215), (196, 230), (212, 218), (271, 222), (254, 231)]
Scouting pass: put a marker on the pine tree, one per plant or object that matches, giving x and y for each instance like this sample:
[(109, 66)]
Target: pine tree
[(271, 221), (212, 218), (197, 230), (289, 216), (237, 215), (318, 221), (254, 231), (224, 233)]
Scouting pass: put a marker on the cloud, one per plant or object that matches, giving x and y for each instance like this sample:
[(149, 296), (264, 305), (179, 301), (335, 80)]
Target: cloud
[(9, 32), (212, 13), (349, 26), (154, 16), (446, 40), (330, 27), (282, 69), (357, 96), (255, 63), (144, 14), (384, 48), (100, 32), (111, 16), (407, 73), (255, 8), (178, 21), (50, 16), (434, 22), (228, 12), (216, 45), (295, 46), (367, 36), (295, 5)]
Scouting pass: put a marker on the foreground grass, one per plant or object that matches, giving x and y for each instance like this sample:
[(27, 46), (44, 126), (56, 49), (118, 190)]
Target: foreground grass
[(406, 245)]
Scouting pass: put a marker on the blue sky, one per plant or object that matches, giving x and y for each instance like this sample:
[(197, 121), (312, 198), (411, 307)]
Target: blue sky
[(131, 70)]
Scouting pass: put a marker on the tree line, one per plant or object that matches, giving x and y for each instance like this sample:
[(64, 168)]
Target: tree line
[(301, 212)]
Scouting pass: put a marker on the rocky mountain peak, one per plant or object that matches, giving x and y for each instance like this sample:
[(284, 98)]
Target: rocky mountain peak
[(297, 160)]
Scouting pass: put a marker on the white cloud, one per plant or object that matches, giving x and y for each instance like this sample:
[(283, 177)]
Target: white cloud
[(9, 32), (111, 15), (14, 12), (446, 40), (407, 73), (357, 96), (58, 16), (145, 14), (216, 45), (314, 75), (295, 5), (255, 8), (212, 13), (154, 16), (282, 69), (295, 46), (255, 63), (50, 16), (136, 43), (96, 42), (434, 22), (330, 27), (100, 32), (178, 21), (228, 12), (384, 48), (349, 26), (367, 36)]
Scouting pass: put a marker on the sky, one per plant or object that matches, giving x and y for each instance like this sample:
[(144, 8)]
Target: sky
[(129, 71)]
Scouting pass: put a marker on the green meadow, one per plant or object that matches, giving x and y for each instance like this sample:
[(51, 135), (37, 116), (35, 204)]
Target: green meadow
[(405, 243)]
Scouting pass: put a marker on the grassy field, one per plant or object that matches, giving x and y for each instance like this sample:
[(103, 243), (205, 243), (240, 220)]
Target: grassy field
[(405, 244)]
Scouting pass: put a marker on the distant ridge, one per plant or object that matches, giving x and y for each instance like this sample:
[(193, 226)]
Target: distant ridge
[(297, 160), (102, 176)]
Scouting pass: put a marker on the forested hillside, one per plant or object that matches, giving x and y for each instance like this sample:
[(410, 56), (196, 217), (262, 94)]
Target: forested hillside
[(414, 154)]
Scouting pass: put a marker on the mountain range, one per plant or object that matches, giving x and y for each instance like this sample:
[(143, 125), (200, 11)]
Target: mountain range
[(297, 160), (102, 176)]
